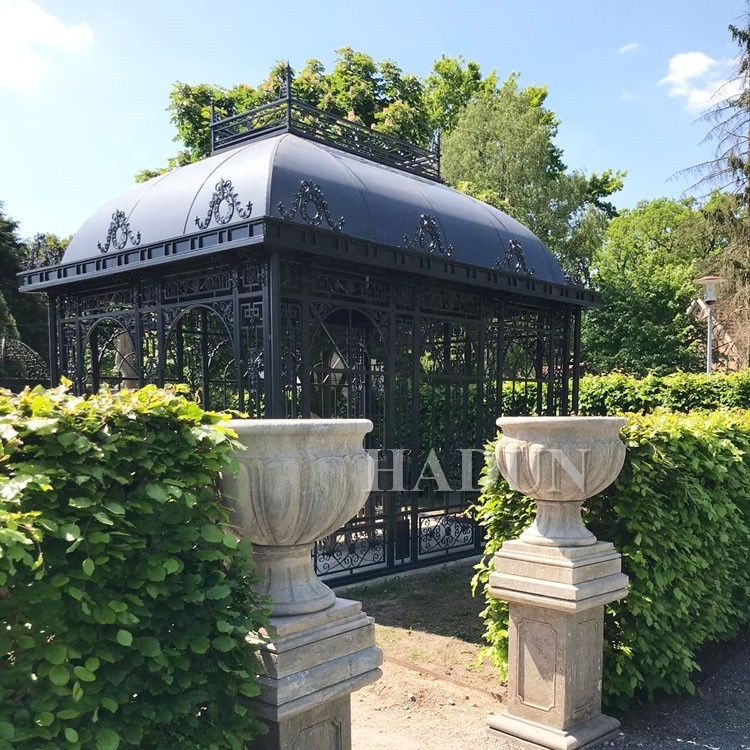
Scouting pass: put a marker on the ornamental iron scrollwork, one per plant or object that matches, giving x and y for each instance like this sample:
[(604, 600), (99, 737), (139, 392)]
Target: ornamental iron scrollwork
[(224, 195), (514, 260), (119, 234), (310, 192), (428, 237)]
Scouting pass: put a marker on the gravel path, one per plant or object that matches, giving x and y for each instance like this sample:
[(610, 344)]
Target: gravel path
[(718, 719), (409, 710)]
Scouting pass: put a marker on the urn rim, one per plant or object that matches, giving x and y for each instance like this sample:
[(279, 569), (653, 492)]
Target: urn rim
[(298, 425), (567, 422)]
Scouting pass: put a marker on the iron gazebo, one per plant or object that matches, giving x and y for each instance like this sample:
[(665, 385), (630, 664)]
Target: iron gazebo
[(311, 267)]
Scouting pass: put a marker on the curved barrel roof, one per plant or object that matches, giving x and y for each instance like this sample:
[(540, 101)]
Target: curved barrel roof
[(293, 179)]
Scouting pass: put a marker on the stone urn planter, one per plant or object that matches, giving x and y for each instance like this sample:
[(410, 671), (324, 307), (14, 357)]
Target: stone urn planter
[(298, 481), (557, 578), (560, 461)]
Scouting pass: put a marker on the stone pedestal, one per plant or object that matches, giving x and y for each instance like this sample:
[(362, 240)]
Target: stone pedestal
[(312, 664), (556, 599), (557, 578), (298, 481)]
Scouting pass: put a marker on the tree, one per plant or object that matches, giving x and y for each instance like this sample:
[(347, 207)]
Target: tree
[(727, 214), (645, 271), (502, 150), (729, 169), (22, 316), (499, 140), (450, 87), (376, 95), (725, 227)]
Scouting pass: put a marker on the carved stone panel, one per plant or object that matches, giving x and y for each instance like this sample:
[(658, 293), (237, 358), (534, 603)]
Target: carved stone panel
[(535, 668)]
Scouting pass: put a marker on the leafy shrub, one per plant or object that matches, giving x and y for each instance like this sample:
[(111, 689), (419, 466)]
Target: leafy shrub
[(125, 602), (679, 513), (616, 393)]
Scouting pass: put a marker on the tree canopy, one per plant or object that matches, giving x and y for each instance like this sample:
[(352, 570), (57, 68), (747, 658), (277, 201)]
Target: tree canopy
[(645, 271), (502, 150), (498, 139), (22, 316)]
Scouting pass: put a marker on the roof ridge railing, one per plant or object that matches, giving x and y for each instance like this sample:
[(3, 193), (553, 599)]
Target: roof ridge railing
[(289, 115)]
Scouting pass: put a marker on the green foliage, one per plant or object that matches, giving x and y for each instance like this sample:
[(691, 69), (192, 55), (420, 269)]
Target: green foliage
[(680, 515), (377, 95), (450, 87), (502, 150), (22, 316), (644, 272), (725, 226), (125, 601), (616, 393)]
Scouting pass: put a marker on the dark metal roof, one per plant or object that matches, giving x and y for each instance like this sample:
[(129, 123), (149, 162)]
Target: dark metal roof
[(362, 188)]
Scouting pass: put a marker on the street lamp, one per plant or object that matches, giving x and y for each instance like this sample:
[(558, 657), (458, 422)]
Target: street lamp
[(709, 297)]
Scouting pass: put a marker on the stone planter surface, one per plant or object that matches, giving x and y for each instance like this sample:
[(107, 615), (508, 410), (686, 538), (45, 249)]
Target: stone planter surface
[(299, 480), (560, 461)]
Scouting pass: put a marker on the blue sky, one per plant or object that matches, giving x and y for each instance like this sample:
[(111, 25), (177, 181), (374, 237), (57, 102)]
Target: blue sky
[(84, 83)]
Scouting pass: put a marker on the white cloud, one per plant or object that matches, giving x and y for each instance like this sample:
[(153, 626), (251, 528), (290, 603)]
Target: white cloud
[(627, 96), (629, 47), (30, 40), (698, 79)]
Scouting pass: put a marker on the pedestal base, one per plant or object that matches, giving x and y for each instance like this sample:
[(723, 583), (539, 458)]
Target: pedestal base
[(312, 665), (327, 726), (529, 735), (556, 601)]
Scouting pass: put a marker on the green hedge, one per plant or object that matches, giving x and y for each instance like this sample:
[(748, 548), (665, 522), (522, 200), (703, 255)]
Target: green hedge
[(680, 515), (125, 603), (615, 393)]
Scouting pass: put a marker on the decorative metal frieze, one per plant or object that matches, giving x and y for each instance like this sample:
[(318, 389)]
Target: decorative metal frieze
[(350, 287), (119, 234), (253, 275), (19, 360), (208, 284), (428, 237), (514, 260), (445, 532), (310, 193), (113, 301), (224, 202)]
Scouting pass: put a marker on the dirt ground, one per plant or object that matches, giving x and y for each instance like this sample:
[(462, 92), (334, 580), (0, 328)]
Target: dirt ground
[(434, 693)]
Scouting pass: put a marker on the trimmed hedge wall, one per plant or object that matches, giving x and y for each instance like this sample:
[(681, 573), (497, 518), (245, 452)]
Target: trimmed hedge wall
[(125, 604), (680, 515), (601, 395)]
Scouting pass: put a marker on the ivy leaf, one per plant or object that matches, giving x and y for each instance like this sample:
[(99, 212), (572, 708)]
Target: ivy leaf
[(220, 591), (148, 646), (77, 691), (45, 718), (56, 653)]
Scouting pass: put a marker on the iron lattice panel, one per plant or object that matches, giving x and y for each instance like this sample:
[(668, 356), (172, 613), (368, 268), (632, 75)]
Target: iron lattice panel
[(432, 364)]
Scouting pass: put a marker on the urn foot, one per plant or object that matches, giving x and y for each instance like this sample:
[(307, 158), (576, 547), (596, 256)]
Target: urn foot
[(289, 579)]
